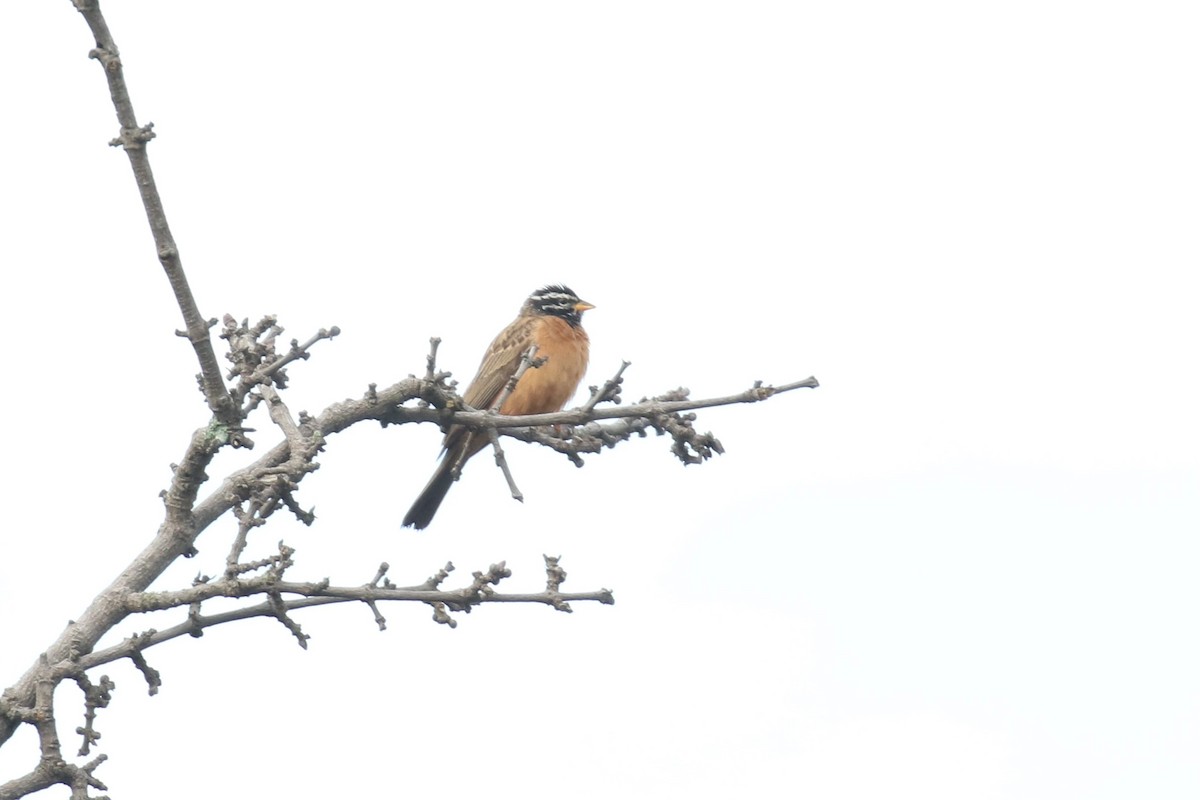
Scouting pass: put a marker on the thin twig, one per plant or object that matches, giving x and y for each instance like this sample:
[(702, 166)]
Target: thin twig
[(247, 518), (479, 420), (606, 391), (527, 360), (431, 359), (502, 462), (133, 138), (308, 595)]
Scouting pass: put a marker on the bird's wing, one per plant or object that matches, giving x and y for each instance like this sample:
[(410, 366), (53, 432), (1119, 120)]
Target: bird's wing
[(499, 363)]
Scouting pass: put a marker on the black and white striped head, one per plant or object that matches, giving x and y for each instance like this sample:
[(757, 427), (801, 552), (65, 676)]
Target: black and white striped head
[(557, 301)]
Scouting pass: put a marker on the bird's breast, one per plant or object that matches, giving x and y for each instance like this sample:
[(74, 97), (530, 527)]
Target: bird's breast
[(550, 386)]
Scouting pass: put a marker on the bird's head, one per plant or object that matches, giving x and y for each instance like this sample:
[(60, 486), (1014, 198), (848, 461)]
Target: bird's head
[(557, 301)]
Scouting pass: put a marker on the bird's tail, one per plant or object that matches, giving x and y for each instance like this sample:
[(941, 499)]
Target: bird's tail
[(426, 505)]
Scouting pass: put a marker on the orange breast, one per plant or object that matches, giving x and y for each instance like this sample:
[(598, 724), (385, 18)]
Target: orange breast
[(550, 386)]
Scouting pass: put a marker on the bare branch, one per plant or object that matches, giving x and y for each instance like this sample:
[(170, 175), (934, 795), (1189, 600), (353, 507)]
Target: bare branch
[(527, 360), (138, 643), (256, 362), (310, 594), (274, 370), (646, 409), (133, 139), (95, 696), (279, 611), (53, 768), (247, 518), (269, 584), (48, 774), (186, 518), (436, 579), (662, 414), (302, 445), (609, 392), (502, 462), (555, 576), (431, 373)]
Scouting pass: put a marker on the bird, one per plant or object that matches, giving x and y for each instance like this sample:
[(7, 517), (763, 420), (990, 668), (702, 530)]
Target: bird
[(552, 319)]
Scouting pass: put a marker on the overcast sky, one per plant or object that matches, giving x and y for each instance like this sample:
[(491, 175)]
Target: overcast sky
[(964, 567)]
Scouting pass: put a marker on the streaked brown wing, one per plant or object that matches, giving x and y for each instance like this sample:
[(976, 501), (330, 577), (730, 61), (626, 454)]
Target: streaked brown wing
[(499, 363)]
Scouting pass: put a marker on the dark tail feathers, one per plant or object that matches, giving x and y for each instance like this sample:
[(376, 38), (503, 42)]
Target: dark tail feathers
[(431, 497)]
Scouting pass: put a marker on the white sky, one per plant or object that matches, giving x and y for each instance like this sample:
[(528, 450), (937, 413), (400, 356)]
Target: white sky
[(965, 567)]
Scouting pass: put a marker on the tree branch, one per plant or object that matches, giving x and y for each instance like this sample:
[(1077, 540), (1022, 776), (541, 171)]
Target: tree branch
[(645, 409), (133, 138), (318, 593), (186, 518), (527, 361)]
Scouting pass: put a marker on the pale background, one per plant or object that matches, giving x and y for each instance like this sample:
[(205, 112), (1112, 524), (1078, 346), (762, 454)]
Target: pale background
[(965, 567)]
